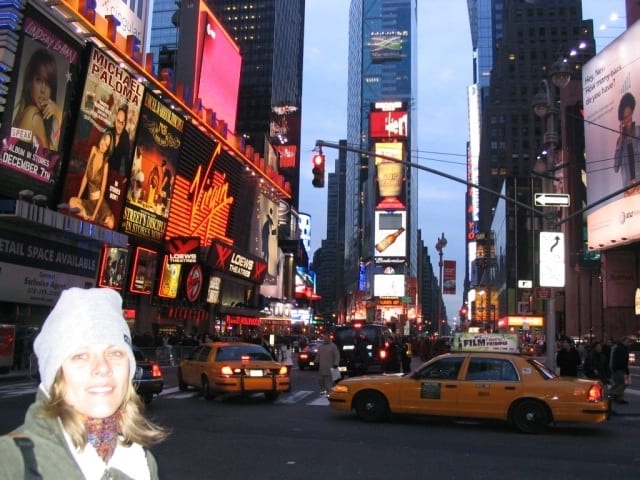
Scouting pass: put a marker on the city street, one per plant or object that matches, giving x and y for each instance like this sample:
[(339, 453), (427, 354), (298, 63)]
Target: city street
[(301, 437)]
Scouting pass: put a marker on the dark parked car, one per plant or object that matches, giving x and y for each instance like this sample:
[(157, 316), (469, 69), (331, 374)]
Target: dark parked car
[(307, 357), (148, 379)]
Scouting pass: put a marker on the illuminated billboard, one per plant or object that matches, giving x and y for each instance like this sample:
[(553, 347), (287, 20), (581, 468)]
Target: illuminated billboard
[(390, 175), (387, 45), (218, 61), (388, 285), (206, 194), (113, 267), (144, 270), (153, 172), (101, 152), (35, 123), (390, 237), (169, 279), (264, 234), (612, 141), (389, 124)]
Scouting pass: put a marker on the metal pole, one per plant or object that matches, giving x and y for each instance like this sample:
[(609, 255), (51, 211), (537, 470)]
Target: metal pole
[(551, 139), (440, 244)]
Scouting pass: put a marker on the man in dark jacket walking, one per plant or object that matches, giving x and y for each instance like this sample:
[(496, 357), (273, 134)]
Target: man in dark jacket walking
[(568, 359), (619, 363)]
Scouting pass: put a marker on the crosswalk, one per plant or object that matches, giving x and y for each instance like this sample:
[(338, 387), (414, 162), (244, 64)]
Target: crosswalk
[(307, 397)]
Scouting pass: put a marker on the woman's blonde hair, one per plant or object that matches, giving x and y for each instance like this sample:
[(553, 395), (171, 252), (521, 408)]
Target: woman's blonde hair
[(134, 427)]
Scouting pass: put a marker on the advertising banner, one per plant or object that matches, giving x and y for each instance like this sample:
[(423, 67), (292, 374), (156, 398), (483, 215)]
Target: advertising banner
[(100, 163), (389, 124), (218, 63), (611, 91), (449, 277), (36, 113), (486, 342), (113, 268), (390, 176), (35, 271), (389, 237), (264, 233), (153, 172), (207, 192)]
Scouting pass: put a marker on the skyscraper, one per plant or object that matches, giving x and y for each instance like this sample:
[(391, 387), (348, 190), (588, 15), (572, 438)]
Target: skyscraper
[(270, 34), (381, 117)]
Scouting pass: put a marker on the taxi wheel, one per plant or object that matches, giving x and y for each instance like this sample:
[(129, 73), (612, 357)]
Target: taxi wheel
[(181, 385), (371, 406), (530, 416), (206, 389)]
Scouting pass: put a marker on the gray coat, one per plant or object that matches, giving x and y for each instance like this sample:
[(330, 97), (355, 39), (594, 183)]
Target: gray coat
[(53, 456), (328, 356)]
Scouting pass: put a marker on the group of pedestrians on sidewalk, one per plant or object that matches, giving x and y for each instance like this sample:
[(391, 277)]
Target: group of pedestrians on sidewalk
[(607, 364)]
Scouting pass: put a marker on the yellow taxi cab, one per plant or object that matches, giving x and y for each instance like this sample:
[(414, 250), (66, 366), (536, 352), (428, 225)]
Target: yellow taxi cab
[(233, 368), (484, 377)]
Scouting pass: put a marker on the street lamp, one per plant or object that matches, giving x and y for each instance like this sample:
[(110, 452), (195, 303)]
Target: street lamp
[(545, 107), (440, 244)]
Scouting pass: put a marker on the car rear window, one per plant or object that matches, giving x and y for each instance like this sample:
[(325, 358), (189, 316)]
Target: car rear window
[(236, 352)]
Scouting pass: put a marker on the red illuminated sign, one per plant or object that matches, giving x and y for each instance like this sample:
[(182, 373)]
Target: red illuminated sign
[(227, 259), (193, 285), (389, 124), (204, 192), (218, 62)]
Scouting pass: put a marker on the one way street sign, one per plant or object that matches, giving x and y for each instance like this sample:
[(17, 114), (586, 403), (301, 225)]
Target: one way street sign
[(552, 199)]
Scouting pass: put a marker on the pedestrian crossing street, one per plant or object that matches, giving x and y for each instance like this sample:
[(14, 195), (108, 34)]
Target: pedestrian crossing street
[(309, 397)]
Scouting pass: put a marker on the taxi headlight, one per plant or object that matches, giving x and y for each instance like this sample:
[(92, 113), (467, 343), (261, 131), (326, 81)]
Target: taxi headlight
[(341, 388)]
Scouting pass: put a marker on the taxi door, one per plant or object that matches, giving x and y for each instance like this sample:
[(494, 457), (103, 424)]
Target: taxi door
[(488, 387), (433, 390), (194, 366)]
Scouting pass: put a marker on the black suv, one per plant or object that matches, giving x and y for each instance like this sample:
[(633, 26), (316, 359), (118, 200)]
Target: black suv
[(366, 348)]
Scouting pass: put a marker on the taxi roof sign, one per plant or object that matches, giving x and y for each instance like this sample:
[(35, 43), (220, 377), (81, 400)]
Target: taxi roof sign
[(486, 342)]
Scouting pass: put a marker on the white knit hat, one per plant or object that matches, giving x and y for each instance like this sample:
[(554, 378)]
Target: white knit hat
[(81, 317)]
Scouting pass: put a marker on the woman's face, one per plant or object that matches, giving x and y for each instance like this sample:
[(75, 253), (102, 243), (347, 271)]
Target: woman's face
[(40, 89), (105, 143), (96, 380)]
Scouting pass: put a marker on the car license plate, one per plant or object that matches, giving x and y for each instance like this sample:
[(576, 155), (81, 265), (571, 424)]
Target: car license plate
[(312, 363), (255, 373)]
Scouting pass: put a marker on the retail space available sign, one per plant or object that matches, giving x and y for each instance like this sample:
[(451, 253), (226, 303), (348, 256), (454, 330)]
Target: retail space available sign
[(35, 271)]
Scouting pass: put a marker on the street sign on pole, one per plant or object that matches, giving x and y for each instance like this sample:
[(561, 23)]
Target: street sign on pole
[(552, 200)]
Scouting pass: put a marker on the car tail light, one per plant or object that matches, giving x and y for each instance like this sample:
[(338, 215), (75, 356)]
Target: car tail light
[(155, 370), (383, 354), (283, 370), (304, 355), (595, 393)]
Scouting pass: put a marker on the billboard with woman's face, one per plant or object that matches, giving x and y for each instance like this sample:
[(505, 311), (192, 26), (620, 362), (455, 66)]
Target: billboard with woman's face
[(36, 116)]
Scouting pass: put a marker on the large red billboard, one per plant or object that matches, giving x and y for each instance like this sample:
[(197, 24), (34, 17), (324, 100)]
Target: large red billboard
[(218, 62), (47, 70)]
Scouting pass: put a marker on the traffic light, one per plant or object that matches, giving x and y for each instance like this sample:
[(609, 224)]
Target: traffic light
[(318, 170)]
